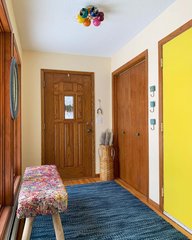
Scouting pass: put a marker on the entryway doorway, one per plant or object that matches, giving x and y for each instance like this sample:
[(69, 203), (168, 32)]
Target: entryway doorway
[(68, 126), (176, 128), (130, 123)]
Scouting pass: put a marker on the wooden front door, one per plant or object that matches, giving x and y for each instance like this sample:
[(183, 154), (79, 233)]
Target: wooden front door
[(132, 127), (68, 123)]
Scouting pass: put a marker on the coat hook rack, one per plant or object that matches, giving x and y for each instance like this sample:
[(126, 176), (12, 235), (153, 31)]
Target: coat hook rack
[(152, 89), (99, 110)]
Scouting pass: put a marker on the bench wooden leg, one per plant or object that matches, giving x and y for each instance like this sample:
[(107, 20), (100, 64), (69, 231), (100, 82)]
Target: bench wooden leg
[(58, 226), (27, 228)]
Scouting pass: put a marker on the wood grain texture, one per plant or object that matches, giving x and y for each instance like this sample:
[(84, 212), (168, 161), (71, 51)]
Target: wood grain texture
[(27, 228), (8, 141), (4, 219), (130, 116), (20, 229), (58, 226), (66, 142), (4, 16), (10, 131), (42, 118), (1, 116), (81, 181), (178, 31)]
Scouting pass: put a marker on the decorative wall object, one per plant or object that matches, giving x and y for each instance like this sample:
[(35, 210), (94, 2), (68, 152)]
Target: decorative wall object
[(152, 89), (153, 123), (88, 14), (152, 105), (14, 88), (99, 110)]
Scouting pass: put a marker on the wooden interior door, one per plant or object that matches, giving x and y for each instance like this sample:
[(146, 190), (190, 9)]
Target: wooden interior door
[(132, 124), (68, 124), (177, 128)]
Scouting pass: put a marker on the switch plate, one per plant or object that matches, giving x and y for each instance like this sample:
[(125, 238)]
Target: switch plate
[(98, 120)]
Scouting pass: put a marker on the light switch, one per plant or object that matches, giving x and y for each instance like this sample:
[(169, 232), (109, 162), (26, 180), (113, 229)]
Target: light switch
[(99, 120)]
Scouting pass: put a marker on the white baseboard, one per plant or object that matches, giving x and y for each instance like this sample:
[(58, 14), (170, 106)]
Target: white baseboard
[(178, 222)]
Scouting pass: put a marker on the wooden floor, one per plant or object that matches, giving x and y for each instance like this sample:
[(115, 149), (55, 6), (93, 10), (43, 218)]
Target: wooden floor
[(126, 186), (81, 181)]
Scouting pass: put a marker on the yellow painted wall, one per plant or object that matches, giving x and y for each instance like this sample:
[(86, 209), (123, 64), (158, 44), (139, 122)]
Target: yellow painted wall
[(177, 120), (33, 62)]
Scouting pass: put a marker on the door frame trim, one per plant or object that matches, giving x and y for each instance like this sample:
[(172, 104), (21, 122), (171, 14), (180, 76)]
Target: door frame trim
[(131, 63), (172, 35), (43, 71)]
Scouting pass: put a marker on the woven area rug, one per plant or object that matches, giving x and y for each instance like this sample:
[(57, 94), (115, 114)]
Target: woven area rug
[(105, 211)]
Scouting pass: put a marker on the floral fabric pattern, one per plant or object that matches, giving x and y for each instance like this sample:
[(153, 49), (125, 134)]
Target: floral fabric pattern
[(42, 192)]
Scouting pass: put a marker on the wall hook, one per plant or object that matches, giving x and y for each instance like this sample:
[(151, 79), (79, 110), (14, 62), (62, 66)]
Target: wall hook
[(153, 123), (152, 89), (152, 105)]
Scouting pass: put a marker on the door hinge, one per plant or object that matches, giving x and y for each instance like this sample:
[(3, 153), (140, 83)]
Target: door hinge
[(44, 125), (161, 62), (162, 192), (161, 127), (44, 84)]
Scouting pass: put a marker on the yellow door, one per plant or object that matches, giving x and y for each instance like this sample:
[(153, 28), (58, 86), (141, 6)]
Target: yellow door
[(177, 134)]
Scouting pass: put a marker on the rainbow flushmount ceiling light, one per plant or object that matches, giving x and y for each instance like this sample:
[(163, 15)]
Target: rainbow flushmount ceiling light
[(88, 14)]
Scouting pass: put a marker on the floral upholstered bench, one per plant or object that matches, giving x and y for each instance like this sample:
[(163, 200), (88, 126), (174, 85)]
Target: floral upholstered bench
[(42, 192)]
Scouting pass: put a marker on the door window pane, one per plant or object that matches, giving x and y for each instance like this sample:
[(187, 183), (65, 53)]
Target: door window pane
[(69, 107)]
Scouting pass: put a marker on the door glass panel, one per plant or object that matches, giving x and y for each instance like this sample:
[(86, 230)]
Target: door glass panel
[(69, 107)]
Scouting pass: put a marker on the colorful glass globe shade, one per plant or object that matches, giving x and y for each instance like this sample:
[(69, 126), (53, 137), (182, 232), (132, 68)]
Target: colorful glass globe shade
[(83, 12), (94, 12), (80, 19), (100, 16), (87, 22), (96, 22)]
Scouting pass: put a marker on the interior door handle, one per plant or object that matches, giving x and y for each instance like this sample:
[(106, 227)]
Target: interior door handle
[(137, 134), (88, 130), (123, 132)]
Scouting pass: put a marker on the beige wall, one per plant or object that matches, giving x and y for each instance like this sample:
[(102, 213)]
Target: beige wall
[(33, 62), (172, 18)]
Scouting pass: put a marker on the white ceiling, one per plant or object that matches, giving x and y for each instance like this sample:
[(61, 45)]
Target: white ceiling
[(49, 26)]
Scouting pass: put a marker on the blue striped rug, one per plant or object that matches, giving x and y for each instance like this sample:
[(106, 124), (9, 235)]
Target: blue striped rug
[(105, 211)]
